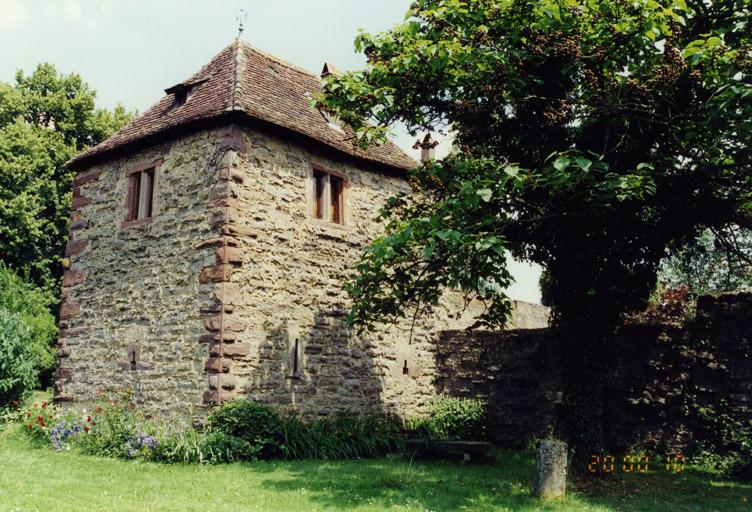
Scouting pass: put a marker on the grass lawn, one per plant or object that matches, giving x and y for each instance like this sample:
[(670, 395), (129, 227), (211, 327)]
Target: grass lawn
[(41, 479)]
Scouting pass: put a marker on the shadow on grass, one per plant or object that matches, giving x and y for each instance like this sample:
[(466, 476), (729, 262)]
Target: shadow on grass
[(439, 486), (663, 491), (444, 486)]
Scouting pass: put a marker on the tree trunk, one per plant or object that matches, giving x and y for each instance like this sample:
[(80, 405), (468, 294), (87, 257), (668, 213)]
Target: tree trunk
[(585, 368)]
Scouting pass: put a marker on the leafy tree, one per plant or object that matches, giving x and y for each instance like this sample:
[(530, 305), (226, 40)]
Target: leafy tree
[(45, 119), (590, 137), (32, 308), (716, 261), (18, 375)]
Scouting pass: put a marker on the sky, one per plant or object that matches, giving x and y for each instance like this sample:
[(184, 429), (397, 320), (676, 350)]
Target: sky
[(129, 51)]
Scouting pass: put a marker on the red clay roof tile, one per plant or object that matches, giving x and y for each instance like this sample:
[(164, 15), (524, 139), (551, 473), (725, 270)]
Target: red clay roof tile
[(244, 81)]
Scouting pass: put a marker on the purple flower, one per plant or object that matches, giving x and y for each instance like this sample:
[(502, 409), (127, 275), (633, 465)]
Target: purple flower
[(61, 432), (141, 441)]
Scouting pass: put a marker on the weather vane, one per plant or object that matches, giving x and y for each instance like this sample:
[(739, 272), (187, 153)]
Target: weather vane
[(241, 19)]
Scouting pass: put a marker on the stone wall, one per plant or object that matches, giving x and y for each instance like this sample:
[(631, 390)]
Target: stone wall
[(662, 374), (134, 289), (231, 278), (291, 284)]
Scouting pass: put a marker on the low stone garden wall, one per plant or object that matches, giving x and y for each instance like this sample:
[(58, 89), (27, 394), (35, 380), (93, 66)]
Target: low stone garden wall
[(661, 377)]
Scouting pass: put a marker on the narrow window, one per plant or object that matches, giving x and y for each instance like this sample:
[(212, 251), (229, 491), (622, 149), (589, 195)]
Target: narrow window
[(319, 186), (140, 202), (336, 185), (295, 358), (328, 197)]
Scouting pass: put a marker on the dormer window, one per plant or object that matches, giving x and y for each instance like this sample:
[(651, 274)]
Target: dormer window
[(181, 97), (182, 92)]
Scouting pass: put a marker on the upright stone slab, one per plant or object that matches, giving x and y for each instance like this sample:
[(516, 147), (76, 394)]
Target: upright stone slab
[(550, 480)]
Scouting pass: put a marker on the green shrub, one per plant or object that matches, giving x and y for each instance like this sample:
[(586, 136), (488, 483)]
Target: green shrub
[(116, 429), (38, 420), (272, 434), (193, 447), (339, 437), (236, 431), (740, 467), (451, 419), (18, 373), (725, 442), (33, 308), (258, 424)]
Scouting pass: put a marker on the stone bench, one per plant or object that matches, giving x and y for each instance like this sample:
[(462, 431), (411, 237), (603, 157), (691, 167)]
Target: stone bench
[(466, 451)]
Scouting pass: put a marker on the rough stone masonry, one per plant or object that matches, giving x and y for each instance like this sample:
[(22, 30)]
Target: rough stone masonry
[(230, 285), (212, 293)]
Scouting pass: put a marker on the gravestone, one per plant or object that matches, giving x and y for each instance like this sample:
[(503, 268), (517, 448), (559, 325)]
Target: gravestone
[(550, 479)]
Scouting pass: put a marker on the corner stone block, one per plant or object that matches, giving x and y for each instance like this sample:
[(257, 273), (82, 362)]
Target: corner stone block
[(217, 308), (232, 137), (211, 398), (215, 365), (214, 323), (227, 293), (69, 310), (63, 374), (86, 177), (73, 277), (75, 247), (223, 189), (225, 255), (79, 202), (226, 382), (215, 274), (224, 216), (79, 224), (229, 173), (73, 332), (230, 349)]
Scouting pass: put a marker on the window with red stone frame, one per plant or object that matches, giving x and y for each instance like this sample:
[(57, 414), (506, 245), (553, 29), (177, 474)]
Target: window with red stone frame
[(140, 199), (328, 196)]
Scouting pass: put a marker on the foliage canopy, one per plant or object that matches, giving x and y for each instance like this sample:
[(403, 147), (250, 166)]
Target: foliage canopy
[(716, 261), (45, 119), (18, 375), (590, 136), (33, 310)]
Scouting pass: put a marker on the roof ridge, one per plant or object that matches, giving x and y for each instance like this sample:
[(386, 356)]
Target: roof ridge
[(237, 74)]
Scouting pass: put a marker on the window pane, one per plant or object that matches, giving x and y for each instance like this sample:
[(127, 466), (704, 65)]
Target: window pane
[(319, 179), (143, 196), (134, 190), (149, 176), (336, 185)]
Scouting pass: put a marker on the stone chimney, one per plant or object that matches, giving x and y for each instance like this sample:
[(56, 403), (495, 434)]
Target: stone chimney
[(329, 69)]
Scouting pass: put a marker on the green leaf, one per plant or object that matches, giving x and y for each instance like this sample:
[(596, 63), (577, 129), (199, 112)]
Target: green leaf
[(485, 194), (561, 163), (583, 163)]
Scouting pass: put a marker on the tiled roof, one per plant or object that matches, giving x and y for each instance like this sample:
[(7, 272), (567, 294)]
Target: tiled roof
[(243, 81)]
